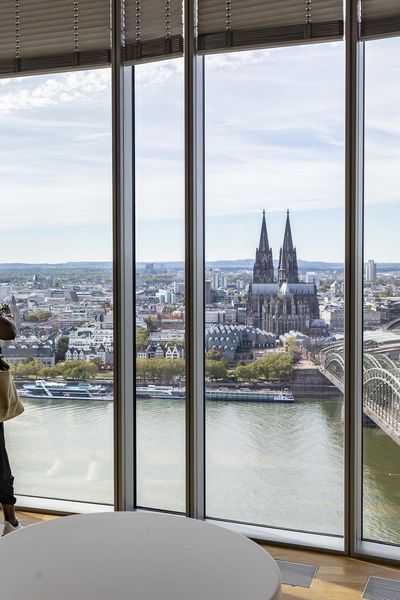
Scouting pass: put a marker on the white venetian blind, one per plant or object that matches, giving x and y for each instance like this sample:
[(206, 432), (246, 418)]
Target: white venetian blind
[(44, 34), (225, 24), (380, 18), (153, 29)]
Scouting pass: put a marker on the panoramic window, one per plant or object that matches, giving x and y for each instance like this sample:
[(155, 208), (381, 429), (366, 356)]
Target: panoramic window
[(381, 314), (274, 290), (160, 286), (56, 276)]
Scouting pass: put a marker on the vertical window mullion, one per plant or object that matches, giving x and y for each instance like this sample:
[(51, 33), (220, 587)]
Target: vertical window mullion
[(194, 269), (124, 325), (354, 148)]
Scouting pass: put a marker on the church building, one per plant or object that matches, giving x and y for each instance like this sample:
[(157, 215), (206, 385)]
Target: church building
[(280, 303)]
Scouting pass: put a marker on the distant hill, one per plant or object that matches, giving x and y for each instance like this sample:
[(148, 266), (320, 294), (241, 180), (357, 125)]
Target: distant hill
[(240, 263), (246, 263), (67, 265)]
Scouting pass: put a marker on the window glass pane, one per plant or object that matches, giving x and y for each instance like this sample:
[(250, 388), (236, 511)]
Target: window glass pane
[(160, 285), (56, 275), (381, 386), (274, 287)]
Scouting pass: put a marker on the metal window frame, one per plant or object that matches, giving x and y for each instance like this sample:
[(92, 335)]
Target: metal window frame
[(194, 266), (123, 147), (354, 190), (355, 545), (124, 324), (123, 271), (123, 122)]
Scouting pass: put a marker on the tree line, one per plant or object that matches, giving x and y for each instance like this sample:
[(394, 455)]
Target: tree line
[(162, 370), (276, 366), (79, 370)]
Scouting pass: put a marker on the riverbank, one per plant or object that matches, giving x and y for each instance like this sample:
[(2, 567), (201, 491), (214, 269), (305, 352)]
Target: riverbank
[(308, 381)]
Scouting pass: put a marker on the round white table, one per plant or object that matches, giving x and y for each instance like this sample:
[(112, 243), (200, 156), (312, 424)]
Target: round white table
[(135, 556)]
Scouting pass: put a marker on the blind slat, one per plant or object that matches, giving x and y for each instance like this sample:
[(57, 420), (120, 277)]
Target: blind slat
[(153, 29), (380, 18), (46, 34), (225, 24)]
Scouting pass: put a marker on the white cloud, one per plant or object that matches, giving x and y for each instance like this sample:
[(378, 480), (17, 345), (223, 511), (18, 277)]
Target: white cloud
[(237, 60), (155, 74), (42, 91)]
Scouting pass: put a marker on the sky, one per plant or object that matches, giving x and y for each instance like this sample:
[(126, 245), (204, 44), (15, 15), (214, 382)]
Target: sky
[(274, 141)]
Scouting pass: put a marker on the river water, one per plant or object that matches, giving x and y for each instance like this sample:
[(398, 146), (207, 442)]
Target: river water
[(269, 464)]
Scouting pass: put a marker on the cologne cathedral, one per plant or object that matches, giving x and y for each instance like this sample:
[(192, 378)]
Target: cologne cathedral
[(280, 304)]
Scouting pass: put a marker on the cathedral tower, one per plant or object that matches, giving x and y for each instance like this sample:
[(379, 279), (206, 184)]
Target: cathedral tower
[(263, 270), (288, 271), (279, 307)]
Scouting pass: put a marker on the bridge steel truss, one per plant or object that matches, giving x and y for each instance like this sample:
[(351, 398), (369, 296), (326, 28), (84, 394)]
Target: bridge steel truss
[(381, 387)]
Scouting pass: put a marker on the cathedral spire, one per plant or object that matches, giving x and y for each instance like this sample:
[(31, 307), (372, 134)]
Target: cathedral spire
[(264, 245), (263, 271), (287, 240), (288, 269)]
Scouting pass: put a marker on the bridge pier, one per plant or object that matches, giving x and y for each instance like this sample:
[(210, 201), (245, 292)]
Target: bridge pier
[(367, 421)]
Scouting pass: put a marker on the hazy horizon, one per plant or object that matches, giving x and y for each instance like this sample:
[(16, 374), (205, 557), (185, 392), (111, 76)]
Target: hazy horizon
[(172, 262)]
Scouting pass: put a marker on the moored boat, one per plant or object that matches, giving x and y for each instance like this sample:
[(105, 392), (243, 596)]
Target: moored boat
[(153, 391), (59, 390), (248, 395), (221, 394)]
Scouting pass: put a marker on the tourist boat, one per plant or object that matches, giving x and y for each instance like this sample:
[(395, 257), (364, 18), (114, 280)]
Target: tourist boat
[(222, 394), (58, 390), (165, 393), (248, 395)]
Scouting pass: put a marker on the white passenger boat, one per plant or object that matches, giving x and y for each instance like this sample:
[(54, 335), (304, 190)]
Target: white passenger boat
[(222, 394), (59, 390), (248, 395), (154, 391)]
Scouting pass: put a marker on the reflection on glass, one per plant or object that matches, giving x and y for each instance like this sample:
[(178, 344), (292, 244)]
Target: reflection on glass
[(56, 274), (381, 364), (160, 286), (274, 287)]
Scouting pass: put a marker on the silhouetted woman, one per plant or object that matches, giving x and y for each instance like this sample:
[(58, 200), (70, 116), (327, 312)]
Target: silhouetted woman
[(7, 500)]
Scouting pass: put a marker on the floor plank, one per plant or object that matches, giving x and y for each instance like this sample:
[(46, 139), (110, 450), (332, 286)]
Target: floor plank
[(337, 578), (32, 518)]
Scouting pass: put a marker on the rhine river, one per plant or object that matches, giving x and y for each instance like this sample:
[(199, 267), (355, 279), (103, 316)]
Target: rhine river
[(278, 465)]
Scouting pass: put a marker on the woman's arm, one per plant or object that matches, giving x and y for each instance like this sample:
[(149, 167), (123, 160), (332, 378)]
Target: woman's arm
[(8, 330)]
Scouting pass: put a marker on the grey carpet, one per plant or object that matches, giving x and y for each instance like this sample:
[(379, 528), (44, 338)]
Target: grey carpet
[(378, 588), (296, 573)]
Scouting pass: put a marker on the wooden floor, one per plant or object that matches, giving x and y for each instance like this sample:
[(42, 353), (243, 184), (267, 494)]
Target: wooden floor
[(337, 578)]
